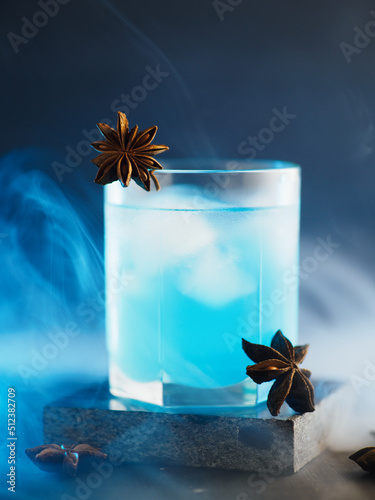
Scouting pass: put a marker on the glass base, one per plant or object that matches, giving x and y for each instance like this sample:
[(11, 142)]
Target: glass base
[(163, 394)]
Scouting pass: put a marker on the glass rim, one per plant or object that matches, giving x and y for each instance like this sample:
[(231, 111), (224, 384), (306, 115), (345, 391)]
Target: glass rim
[(255, 166)]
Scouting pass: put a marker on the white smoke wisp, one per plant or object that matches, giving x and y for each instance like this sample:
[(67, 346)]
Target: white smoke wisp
[(337, 317), (179, 108), (50, 265)]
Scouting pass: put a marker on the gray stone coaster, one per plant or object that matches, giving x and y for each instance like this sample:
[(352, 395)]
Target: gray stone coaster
[(250, 439)]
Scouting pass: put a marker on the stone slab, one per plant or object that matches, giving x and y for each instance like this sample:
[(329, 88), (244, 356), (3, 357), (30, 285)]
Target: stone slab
[(241, 439)]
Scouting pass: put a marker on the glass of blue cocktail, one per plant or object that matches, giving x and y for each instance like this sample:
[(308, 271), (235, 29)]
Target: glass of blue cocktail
[(208, 260)]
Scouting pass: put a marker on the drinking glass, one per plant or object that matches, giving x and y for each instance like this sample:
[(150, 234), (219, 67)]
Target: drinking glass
[(192, 269)]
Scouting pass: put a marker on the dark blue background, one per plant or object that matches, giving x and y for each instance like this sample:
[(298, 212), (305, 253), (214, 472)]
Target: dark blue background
[(225, 77)]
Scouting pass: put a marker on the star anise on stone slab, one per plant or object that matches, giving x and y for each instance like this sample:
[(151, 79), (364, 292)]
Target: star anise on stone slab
[(280, 363), (127, 155), (55, 458), (365, 458)]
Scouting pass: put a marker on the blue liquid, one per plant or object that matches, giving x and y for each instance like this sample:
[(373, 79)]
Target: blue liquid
[(196, 282)]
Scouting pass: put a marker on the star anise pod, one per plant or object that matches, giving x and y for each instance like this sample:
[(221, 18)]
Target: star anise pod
[(127, 155), (365, 458), (280, 363), (52, 457)]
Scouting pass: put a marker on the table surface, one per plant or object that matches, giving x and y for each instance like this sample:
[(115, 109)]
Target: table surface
[(331, 476)]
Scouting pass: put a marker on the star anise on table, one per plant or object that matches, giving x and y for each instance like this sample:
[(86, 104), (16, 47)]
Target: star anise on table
[(365, 458), (280, 363), (127, 155), (54, 458)]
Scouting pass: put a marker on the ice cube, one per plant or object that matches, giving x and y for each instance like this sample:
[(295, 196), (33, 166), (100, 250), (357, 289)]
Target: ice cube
[(156, 239), (215, 278)]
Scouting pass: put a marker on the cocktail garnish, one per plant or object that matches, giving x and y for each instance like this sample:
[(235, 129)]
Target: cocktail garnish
[(279, 362), (127, 155), (365, 458), (55, 458)]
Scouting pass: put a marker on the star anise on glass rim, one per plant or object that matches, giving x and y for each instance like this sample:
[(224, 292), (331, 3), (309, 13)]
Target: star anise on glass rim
[(53, 457), (280, 363), (127, 155)]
